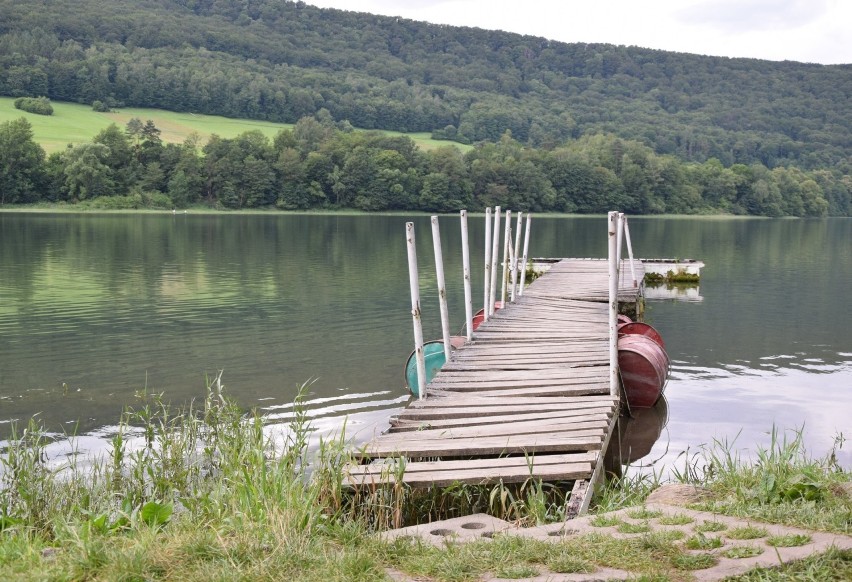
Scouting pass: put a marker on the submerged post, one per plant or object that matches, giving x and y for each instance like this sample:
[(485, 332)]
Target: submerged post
[(524, 259), (442, 286), (612, 230), (507, 251), (414, 282), (514, 268), (487, 286), (468, 301), (495, 251), (630, 252)]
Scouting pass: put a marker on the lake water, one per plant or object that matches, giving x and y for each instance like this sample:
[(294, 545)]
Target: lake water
[(95, 309)]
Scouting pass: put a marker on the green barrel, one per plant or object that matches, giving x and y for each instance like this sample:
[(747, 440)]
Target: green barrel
[(433, 353)]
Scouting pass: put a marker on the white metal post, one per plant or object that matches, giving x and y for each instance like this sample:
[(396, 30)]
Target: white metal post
[(507, 242), (442, 286), (468, 301), (526, 250), (518, 227), (495, 251), (487, 286), (612, 230), (414, 282), (630, 252)]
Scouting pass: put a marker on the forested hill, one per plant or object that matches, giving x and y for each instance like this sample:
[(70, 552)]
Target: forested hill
[(276, 60)]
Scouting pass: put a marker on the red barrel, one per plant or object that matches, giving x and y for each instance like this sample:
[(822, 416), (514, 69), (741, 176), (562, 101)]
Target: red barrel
[(639, 328), (644, 368)]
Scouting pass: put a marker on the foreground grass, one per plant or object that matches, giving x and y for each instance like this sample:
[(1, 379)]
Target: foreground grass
[(207, 494), (72, 123)]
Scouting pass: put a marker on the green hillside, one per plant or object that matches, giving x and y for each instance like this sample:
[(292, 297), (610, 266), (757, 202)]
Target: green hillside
[(72, 123), (278, 61), (544, 126)]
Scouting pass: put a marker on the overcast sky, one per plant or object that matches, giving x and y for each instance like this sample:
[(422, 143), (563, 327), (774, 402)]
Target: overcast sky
[(815, 31)]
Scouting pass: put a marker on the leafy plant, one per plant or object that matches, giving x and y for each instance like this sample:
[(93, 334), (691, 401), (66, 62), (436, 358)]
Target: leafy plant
[(155, 514)]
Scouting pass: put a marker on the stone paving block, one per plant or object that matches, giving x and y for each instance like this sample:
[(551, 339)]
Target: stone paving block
[(731, 547), (459, 529)]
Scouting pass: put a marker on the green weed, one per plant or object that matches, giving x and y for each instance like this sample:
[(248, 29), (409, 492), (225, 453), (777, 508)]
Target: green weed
[(702, 542), (748, 532), (788, 541), (675, 520), (739, 552)]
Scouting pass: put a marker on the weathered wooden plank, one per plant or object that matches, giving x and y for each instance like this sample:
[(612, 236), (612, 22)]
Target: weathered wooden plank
[(580, 383), (565, 472), (507, 376), (455, 399), (513, 444), (517, 360), (549, 426), (475, 411), (579, 416), (586, 389), (564, 352), (548, 339), (391, 465), (511, 366)]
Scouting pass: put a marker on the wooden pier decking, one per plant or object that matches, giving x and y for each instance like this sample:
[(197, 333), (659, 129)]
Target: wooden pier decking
[(528, 397)]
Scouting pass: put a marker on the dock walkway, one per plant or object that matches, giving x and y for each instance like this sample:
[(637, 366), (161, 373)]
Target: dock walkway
[(528, 397)]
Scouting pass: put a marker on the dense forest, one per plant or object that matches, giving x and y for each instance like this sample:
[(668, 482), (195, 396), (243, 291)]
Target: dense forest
[(324, 164), (558, 126)]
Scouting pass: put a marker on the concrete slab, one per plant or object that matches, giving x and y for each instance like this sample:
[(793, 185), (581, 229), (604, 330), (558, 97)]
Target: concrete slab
[(460, 529), (734, 545)]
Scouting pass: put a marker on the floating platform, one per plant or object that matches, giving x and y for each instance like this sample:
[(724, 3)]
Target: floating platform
[(673, 270)]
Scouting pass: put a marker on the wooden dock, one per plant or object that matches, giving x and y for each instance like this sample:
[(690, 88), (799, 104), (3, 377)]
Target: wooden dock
[(529, 397)]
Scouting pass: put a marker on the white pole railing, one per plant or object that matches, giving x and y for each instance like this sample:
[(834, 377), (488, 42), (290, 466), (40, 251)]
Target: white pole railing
[(487, 286), (526, 250), (468, 301), (414, 282), (630, 252), (612, 231), (442, 286), (495, 241), (620, 237), (518, 227), (507, 242)]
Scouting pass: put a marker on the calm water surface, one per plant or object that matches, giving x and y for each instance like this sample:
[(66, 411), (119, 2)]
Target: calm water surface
[(95, 309)]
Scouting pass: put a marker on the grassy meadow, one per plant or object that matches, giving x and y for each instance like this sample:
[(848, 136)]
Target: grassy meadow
[(74, 123), (206, 493)]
